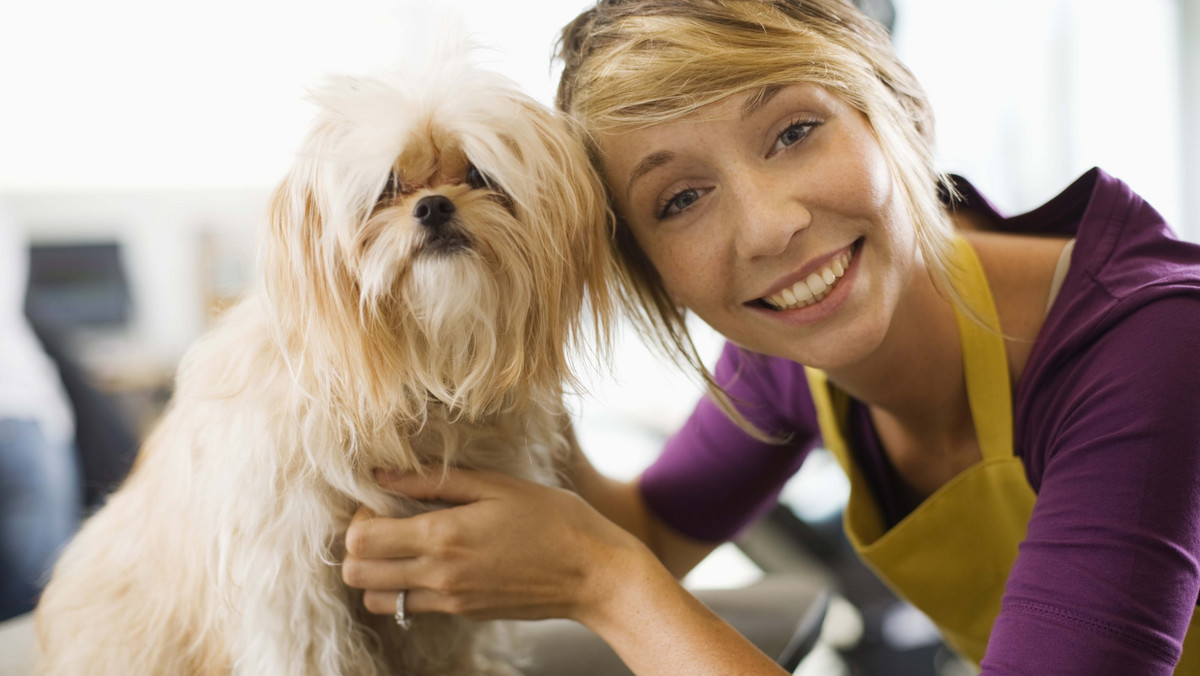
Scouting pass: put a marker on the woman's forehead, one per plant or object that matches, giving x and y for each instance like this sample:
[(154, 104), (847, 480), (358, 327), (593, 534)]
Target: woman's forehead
[(741, 105)]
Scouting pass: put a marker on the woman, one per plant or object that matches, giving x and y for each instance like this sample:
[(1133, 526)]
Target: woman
[(986, 382)]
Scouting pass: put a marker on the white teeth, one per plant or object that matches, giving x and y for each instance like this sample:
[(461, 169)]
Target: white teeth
[(817, 284), (812, 289)]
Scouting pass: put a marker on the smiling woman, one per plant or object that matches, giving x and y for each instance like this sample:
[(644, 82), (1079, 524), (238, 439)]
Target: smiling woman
[(738, 184), (802, 146)]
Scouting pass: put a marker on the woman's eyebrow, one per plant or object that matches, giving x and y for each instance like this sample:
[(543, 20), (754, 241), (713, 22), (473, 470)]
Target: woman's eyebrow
[(760, 99), (650, 162)]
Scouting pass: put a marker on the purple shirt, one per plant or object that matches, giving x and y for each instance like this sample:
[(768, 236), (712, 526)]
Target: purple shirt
[(1107, 425)]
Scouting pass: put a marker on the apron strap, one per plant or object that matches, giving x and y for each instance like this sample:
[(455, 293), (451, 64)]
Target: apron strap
[(985, 367), (984, 361)]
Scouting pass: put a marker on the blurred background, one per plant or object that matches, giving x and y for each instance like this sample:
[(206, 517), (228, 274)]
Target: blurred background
[(139, 140)]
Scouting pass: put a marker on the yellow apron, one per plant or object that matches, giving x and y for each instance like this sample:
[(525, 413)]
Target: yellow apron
[(952, 566)]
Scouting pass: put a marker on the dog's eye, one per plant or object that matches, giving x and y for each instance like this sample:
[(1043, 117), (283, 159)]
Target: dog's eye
[(476, 179), (392, 189)]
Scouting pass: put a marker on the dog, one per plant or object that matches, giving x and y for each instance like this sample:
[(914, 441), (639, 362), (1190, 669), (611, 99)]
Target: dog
[(431, 264)]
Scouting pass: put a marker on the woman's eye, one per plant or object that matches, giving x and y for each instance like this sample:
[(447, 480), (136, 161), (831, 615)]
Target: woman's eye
[(795, 133), (476, 179), (678, 202)]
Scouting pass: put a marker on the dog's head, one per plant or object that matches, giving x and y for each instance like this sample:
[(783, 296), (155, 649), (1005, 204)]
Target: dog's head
[(437, 239)]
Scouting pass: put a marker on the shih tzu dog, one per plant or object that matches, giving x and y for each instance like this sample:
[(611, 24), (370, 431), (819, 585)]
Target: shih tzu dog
[(430, 263)]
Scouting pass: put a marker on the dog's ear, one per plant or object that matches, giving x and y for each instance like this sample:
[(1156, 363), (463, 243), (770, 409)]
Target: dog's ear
[(598, 264), (304, 274), (592, 237), (313, 302), (557, 189), (288, 262)]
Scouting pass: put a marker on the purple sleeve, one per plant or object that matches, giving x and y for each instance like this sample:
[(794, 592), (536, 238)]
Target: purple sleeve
[(1107, 578), (713, 479)]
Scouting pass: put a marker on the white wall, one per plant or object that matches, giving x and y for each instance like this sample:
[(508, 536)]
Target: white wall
[(1029, 94), (152, 93), (1189, 41)]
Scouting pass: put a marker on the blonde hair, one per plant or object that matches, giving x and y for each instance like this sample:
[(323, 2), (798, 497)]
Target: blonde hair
[(631, 64)]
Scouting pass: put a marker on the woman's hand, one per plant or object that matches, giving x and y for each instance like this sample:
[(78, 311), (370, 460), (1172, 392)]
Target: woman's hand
[(508, 548), (518, 550)]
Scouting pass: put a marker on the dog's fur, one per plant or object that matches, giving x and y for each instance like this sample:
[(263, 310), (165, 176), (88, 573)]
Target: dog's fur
[(373, 342)]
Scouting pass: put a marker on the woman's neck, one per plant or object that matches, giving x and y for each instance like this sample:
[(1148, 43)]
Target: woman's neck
[(916, 374)]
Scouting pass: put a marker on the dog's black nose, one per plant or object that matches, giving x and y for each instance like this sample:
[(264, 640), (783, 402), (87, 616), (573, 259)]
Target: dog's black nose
[(433, 210)]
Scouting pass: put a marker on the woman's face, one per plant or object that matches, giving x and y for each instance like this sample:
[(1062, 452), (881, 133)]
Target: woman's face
[(778, 224)]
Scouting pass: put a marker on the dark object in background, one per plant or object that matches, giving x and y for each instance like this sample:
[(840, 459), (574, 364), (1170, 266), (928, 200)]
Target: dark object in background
[(77, 285), (104, 437), (783, 536)]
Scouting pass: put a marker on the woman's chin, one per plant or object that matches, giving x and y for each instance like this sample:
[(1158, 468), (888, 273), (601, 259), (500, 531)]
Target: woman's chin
[(841, 348)]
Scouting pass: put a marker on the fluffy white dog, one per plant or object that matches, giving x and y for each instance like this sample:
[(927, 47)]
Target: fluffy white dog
[(434, 254)]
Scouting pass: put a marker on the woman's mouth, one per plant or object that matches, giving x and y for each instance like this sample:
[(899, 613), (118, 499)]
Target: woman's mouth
[(813, 288)]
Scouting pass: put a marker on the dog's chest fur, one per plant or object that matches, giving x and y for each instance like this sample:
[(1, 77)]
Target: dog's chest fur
[(529, 445)]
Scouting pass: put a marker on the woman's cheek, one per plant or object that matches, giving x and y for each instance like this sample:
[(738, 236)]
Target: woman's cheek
[(692, 272)]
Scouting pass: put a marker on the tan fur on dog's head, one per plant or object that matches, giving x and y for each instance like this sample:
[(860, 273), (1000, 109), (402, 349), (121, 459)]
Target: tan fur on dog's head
[(384, 309)]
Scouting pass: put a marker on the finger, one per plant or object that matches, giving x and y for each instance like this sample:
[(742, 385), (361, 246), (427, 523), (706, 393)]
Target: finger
[(363, 513), (383, 601), (416, 602), (459, 486), (378, 537), (363, 573)]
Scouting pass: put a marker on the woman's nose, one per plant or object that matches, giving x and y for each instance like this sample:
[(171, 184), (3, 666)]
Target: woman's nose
[(768, 219)]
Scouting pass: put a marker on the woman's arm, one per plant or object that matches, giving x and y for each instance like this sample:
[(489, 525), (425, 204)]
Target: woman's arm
[(621, 502), (518, 550), (1108, 576), (657, 627)]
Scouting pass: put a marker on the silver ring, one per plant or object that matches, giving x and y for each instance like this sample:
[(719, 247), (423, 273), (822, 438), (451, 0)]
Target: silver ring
[(402, 620)]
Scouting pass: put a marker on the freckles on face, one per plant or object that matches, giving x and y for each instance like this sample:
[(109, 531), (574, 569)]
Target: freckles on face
[(687, 259), (734, 204)]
